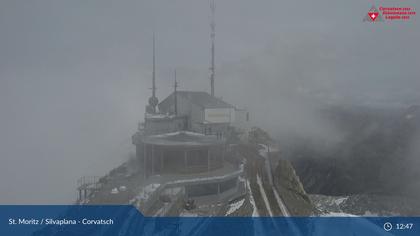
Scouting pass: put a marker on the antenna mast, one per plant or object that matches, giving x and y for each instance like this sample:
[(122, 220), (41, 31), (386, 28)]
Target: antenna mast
[(175, 95), (212, 36), (154, 69), (153, 100)]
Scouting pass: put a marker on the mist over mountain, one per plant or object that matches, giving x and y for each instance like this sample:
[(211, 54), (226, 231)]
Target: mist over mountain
[(75, 77), (378, 153)]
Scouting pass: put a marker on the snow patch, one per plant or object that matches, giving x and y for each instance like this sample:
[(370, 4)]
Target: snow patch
[(338, 214), (213, 178), (266, 149), (280, 203), (188, 214), (178, 133), (122, 188), (251, 200), (114, 191), (235, 206), (340, 200), (267, 204), (264, 153), (147, 191)]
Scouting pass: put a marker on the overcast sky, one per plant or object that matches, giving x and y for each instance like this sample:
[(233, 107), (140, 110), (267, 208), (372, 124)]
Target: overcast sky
[(75, 74)]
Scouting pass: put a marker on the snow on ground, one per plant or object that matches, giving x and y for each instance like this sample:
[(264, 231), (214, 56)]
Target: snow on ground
[(286, 213), (114, 191), (340, 200), (280, 203), (368, 213), (265, 149), (183, 181), (162, 210), (267, 204), (192, 133), (338, 214), (165, 135), (188, 214), (147, 191), (258, 228), (251, 200), (264, 153), (234, 207)]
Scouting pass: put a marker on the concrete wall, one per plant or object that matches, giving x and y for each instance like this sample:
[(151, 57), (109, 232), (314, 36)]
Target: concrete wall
[(165, 125), (194, 112), (196, 116)]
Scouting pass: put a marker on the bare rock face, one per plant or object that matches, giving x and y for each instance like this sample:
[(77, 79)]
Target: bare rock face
[(291, 190), (378, 154)]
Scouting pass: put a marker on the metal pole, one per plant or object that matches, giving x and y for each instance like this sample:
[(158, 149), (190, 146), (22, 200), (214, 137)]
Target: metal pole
[(212, 36), (185, 160), (175, 95), (153, 159)]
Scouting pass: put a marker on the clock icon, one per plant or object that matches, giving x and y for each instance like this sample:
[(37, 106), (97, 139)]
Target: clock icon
[(387, 226)]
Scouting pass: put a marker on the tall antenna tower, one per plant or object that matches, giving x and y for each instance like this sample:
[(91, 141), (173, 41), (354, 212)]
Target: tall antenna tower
[(212, 36), (153, 100), (175, 95), (154, 69)]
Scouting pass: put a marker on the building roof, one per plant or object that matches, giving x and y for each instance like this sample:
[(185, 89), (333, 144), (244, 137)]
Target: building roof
[(202, 99), (182, 138)]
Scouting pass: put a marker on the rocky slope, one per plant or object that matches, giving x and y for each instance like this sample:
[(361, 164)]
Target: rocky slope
[(377, 159), (291, 190)]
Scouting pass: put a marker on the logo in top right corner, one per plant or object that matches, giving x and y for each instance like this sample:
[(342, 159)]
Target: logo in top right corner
[(389, 13), (373, 15)]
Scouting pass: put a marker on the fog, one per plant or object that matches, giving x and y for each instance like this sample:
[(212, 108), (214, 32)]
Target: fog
[(75, 75)]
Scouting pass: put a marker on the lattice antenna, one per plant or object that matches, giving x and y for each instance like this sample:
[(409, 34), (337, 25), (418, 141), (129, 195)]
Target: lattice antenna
[(154, 69), (153, 100), (212, 38)]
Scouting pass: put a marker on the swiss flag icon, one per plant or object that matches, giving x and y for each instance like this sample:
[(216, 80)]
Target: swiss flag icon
[(373, 15)]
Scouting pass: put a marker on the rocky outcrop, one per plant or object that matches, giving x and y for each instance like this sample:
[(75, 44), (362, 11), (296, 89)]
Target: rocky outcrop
[(291, 190), (378, 154)]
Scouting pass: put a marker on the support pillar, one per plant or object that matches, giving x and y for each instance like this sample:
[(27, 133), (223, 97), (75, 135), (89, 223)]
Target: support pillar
[(223, 153), (153, 159), (161, 160), (208, 159), (185, 160)]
